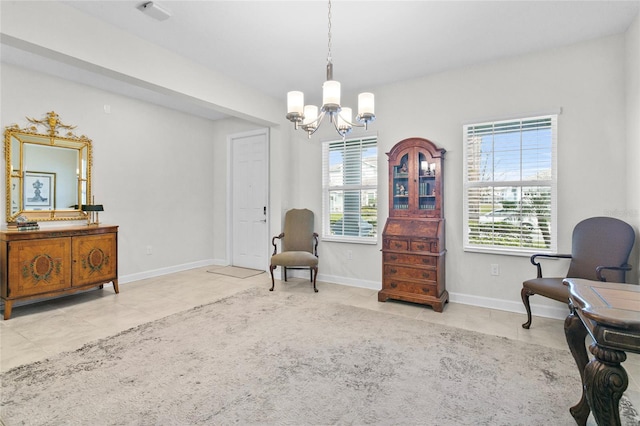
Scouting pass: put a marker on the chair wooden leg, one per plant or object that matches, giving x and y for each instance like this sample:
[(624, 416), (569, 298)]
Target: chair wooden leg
[(273, 283), (285, 273), (525, 293), (311, 275), (315, 275)]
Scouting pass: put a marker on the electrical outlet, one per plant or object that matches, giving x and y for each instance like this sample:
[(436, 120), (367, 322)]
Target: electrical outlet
[(349, 254), (149, 250), (495, 269)]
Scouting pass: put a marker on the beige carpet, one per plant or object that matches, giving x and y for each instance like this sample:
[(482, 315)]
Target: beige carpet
[(234, 271), (275, 358)]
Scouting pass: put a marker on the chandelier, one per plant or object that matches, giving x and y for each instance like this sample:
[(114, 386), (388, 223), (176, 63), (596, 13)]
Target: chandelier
[(306, 116)]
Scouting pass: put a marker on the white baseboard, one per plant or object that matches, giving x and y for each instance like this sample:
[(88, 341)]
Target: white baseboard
[(168, 270), (352, 282), (555, 312)]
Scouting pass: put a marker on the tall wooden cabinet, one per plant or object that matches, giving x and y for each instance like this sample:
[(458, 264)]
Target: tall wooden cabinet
[(45, 263), (413, 247)]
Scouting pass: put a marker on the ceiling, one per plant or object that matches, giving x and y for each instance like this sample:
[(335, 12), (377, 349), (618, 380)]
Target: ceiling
[(277, 46)]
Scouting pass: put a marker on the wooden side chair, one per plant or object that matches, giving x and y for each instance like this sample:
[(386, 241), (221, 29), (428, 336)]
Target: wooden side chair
[(299, 245), (600, 250)]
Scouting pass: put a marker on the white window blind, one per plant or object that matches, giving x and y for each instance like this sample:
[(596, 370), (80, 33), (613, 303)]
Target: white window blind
[(510, 185), (350, 190)]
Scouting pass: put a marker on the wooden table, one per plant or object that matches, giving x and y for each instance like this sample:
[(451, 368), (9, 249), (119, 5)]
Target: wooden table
[(610, 313)]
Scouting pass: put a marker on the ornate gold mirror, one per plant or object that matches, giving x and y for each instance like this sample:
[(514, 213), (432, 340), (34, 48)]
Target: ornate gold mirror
[(48, 176)]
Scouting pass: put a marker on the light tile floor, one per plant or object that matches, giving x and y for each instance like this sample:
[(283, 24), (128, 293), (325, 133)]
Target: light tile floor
[(39, 330)]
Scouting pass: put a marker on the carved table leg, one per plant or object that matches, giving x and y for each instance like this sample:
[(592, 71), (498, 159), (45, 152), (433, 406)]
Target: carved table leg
[(575, 333), (605, 381)]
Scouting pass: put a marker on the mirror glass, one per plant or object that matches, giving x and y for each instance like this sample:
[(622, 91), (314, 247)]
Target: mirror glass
[(48, 175)]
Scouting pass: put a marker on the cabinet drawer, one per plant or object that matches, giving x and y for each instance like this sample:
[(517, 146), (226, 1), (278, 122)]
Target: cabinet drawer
[(411, 287), (38, 266), (428, 245), (410, 259), (396, 244), (395, 271)]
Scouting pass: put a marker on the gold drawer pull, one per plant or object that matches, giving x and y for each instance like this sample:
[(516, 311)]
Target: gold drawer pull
[(394, 285), (420, 246), (426, 260), (398, 245), (393, 271), (425, 275)]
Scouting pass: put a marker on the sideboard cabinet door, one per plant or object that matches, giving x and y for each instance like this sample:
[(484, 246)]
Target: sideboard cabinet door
[(39, 266), (94, 259)]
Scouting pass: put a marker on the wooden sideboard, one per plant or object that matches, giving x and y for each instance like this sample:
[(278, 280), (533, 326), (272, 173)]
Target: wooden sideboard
[(56, 261)]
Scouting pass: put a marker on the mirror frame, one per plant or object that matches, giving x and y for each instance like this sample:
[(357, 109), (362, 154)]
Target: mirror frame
[(15, 172)]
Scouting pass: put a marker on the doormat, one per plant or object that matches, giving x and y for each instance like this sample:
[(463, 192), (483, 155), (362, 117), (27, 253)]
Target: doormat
[(234, 271)]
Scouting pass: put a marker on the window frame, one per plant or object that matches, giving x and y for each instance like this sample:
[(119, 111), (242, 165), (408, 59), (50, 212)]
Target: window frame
[(328, 188), (551, 183)]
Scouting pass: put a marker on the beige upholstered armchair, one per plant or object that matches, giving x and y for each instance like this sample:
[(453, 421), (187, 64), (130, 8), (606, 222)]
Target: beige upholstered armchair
[(299, 245), (600, 250)]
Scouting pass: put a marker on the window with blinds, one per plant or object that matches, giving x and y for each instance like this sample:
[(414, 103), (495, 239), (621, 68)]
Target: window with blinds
[(350, 190), (510, 185)]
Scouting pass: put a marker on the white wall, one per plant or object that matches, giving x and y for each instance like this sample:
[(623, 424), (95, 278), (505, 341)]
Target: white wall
[(586, 81), (152, 167), (632, 213)]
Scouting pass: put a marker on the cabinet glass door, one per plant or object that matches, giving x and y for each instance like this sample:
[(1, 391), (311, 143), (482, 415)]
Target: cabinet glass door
[(427, 182), (401, 184)]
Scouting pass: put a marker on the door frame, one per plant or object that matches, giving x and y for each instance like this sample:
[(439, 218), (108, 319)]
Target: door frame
[(230, 147)]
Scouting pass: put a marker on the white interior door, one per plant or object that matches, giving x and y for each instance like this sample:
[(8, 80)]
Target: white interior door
[(249, 189)]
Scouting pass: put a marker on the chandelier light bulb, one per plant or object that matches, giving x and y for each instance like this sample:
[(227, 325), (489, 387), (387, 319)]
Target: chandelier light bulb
[(310, 114), (331, 93), (295, 102), (344, 118), (366, 103)]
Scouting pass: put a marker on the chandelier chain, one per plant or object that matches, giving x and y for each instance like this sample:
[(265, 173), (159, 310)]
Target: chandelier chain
[(329, 42)]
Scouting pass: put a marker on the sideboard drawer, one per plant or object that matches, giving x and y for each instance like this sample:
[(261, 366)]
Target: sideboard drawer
[(396, 244), (426, 245), (410, 259), (424, 289), (396, 271)]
